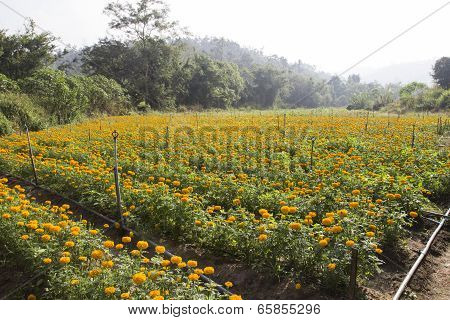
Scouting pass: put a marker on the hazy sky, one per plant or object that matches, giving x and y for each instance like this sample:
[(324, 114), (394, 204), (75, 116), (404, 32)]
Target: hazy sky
[(329, 34)]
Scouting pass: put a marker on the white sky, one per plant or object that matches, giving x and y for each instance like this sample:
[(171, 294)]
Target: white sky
[(330, 34)]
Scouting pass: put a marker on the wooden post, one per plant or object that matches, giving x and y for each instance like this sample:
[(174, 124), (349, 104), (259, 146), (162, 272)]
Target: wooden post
[(115, 135), (167, 137), (89, 135), (413, 138), (367, 121), (313, 139), (353, 274), (30, 151)]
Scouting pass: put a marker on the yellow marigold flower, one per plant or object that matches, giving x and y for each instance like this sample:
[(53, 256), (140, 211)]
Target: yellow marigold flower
[(292, 210), (182, 265), (390, 221), (119, 246), (323, 243), (31, 297), (108, 244), (284, 209), (350, 243), (228, 284), (413, 214), (331, 266), (107, 264), (126, 239), (378, 250), (198, 223), (208, 270), (64, 260), (135, 253), (125, 295), (198, 271), (298, 286), (110, 290), (236, 202), (295, 225), (193, 277), (154, 293), (139, 278), (47, 260), (165, 263), (97, 254), (25, 237), (356, 192), (326, 221), (142, 245), (370, 234), (45, 238), (342, 213), (69, 244), (235, 297), (176, 259), (176, 183), (353, 204), (158, 298), (160, 249), (74, 282), (6, 216), (95, 272), (82, 258), (192, 263), (262, 237)]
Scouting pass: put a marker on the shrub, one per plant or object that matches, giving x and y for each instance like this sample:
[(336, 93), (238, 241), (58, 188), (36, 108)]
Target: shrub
[(19, 109), (105, 95), (7, 84), (5, 125), (58, 94)]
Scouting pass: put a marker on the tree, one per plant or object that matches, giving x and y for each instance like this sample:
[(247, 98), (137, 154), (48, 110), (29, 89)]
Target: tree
[(142, 20), (24, 53), (149, 75), (266, 86), (441, 72), (148, 27), (214, 83)]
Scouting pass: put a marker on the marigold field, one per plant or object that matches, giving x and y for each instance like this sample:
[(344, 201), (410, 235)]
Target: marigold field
[(287, 196)]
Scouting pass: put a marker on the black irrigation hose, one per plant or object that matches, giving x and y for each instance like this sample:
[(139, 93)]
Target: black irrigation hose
[(422, 255), (167, 253)]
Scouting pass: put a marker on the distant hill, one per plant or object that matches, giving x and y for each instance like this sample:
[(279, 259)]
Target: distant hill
[(227, 50), (404, 72)]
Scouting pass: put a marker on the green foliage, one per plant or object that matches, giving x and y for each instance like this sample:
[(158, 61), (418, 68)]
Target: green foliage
[(61, 96), (5, 125), (7, 84), (443, 102), (19, 109), (105, 96), (148, 71), (24, 53), (419, 97), (213, 83), (441, 72)]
